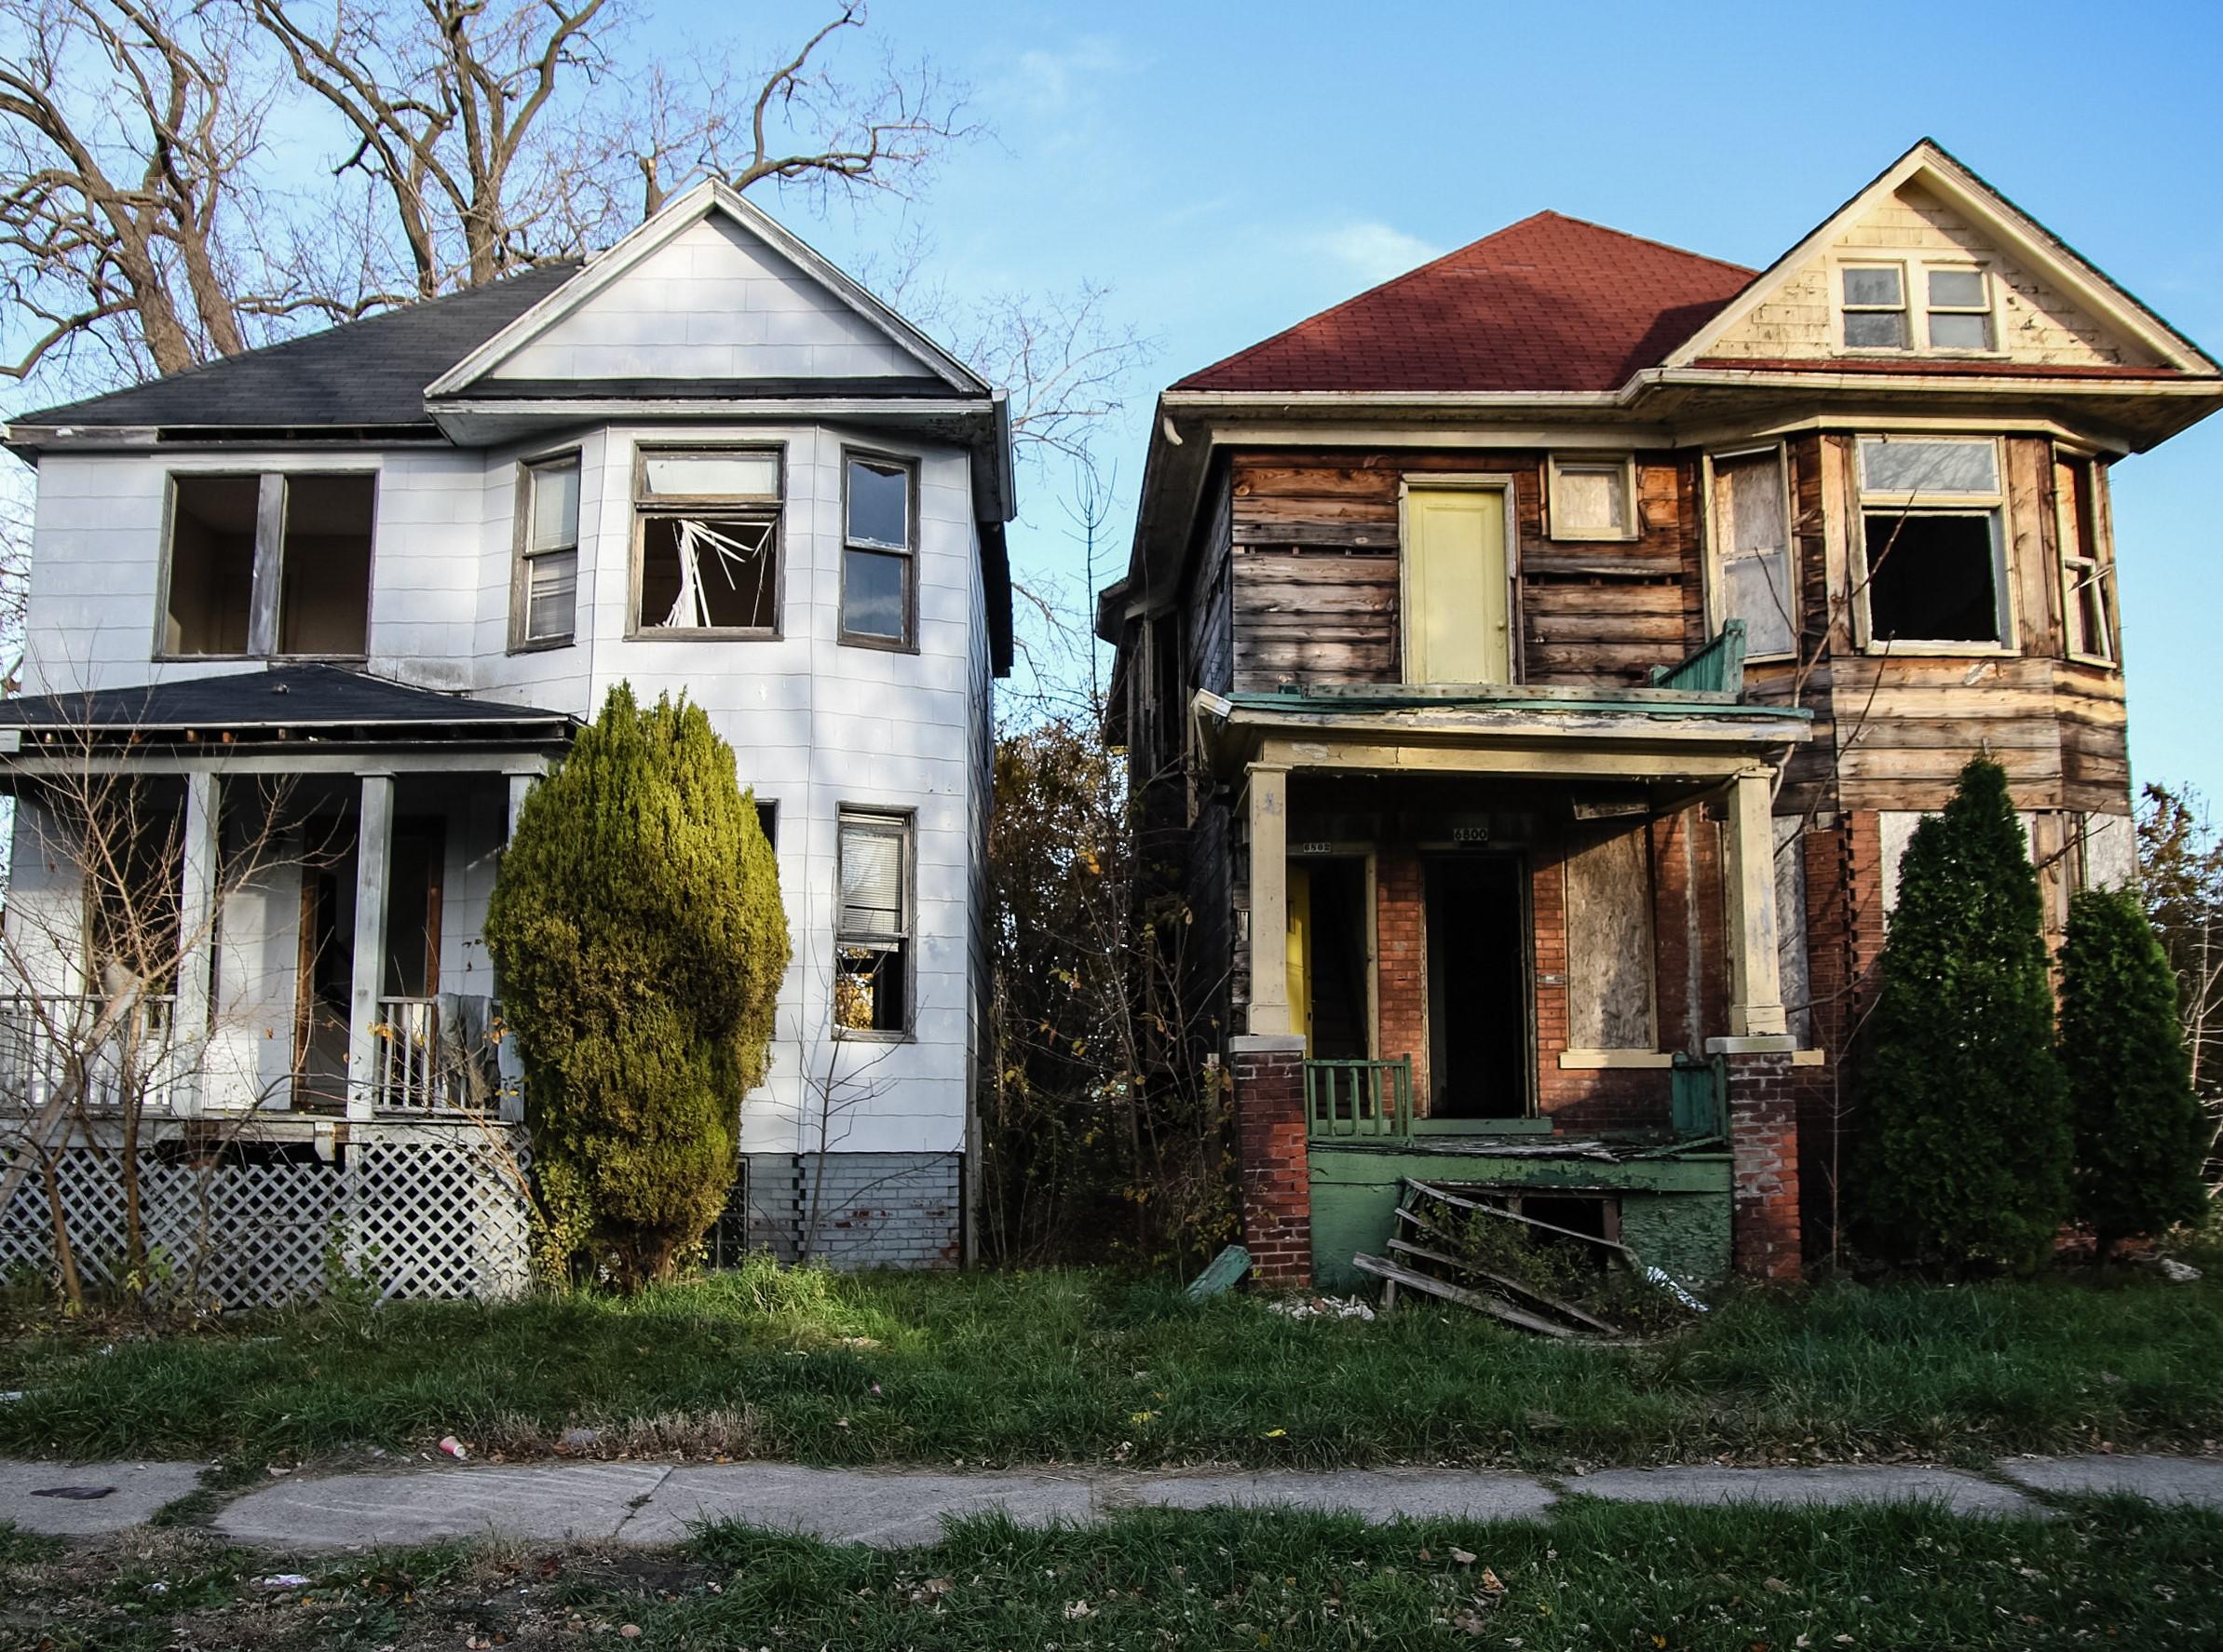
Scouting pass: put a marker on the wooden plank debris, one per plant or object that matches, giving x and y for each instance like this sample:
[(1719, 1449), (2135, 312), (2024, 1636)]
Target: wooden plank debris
[(1430, 1285)]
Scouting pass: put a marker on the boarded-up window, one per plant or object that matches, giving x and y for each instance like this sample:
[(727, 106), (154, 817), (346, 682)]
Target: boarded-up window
[(1592, 498), (1752, 547), (1609, 942)]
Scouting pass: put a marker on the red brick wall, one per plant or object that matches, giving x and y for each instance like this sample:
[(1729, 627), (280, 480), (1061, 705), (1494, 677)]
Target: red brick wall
[(1764, 1168), (1271, 1165), (1401, 945)]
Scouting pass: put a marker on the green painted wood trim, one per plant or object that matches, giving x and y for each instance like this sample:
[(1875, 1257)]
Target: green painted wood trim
[(1344, 1165)]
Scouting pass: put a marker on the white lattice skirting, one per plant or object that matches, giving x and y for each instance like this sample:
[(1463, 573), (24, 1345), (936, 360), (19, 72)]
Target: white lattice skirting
[(424, 1212)]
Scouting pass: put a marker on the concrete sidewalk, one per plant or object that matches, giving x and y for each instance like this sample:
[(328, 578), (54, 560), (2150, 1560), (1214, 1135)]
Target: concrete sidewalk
[(656, 1503)]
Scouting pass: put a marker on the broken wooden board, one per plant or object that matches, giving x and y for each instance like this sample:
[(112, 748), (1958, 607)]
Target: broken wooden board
[(1224, 1274), (1429, 1284), (1565, 1309), (1431, 1191)]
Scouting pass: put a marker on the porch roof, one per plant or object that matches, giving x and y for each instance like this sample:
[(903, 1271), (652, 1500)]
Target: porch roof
[(1647, 733), (306, 704)]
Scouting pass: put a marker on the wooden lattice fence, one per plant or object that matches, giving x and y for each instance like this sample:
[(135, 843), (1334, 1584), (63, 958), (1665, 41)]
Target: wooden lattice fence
[(420, 1212)]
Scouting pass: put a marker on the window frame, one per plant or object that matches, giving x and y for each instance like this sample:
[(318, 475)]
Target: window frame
[(904, 824), (1556, 465), (521, 584), (1910, 266), (266, 580), (1988, 309), (1992, 506), (2098, 556), (755, 507), (1716, 580), (908, 642)]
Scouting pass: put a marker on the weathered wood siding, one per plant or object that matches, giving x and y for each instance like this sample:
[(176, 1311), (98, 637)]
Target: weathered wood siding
[(1315, 571)]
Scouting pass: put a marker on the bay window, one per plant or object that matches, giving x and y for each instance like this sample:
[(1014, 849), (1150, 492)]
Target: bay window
[(1934, 548)]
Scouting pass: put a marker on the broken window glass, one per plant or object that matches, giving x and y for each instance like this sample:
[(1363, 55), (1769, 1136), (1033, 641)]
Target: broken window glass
[(871, 942), (707, 574), (211, 564), (1931, 577), (2084, 578)]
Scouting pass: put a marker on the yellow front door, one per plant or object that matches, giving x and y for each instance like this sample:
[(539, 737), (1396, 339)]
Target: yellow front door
[(1457, 626), (1300, 954)]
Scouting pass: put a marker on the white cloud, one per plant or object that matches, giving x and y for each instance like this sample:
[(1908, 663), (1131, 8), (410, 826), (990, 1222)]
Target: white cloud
[(1375, 252), (1051, 83)]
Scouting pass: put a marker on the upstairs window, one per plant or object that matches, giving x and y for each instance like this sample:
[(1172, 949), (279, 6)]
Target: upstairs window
[(2087, 610), (878, 552), (1592, 498), (1751, 537), (872, 939), (269, 564), (1959, 317), (1874, 307), (548, 573), (707, 541), (1934, 578)]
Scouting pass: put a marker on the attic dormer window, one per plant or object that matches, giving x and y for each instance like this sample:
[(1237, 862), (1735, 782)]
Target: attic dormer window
[(1875, 307), (707, 541), (1959, 309)]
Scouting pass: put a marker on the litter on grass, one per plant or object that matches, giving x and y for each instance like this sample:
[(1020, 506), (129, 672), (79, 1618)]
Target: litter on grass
[(1320, 1307)]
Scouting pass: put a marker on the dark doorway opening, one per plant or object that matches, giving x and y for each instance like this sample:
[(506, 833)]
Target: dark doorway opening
[(1477, 987), (1336, 967)]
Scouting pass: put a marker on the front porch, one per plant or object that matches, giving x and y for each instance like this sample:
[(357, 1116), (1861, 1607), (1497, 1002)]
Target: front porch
[(1521, 940), (243, 948)]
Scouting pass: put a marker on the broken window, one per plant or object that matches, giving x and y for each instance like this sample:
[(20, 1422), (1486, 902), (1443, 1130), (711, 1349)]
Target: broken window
[(709, 540), (872, 939), (211, 564), (877, 552), (2085, 607), (238, 541), (1592, 498), (1959, 309), (548, 580), (1930, 531), (1752, 550), (325, 606), (1874, 307)]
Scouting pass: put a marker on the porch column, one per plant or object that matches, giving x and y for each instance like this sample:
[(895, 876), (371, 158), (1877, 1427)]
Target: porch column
[(1755, 979), (374, 849), (522, 782), (1267, 805), (196, 940)]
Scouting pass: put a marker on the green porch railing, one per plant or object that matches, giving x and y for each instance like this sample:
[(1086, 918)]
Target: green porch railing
[(1718, 668), (1359, 1098)]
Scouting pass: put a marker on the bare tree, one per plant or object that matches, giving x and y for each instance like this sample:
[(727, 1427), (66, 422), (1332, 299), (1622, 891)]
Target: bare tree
[(128, 130)]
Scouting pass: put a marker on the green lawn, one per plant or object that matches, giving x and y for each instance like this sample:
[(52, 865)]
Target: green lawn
[(1088, 1367), (1645, 1579)]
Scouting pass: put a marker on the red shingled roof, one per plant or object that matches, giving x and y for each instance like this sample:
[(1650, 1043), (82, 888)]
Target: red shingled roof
[(1548, 304)]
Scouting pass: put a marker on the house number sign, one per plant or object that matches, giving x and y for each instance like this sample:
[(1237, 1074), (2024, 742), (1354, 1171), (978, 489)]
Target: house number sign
[(1469, 834)]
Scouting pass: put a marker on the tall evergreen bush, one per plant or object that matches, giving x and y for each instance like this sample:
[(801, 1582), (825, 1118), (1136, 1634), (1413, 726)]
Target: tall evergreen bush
[(638, 931), (2141, 1138), (1963, 1121)]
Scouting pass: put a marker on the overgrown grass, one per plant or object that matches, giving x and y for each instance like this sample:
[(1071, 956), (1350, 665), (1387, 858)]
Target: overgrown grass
[(1646, 1578), (1085, 1367)]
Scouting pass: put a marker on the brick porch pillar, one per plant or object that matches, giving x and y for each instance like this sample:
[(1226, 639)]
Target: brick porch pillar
[(1763, 1128), (1273, 1174)]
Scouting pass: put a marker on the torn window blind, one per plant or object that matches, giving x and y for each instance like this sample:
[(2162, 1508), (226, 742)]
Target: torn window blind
[(707, 574), (1609, 941), (872, 942), (1589, 499), (1754, 547)]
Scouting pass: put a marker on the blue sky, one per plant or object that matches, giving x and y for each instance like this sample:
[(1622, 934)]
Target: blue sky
[(1228, 169)]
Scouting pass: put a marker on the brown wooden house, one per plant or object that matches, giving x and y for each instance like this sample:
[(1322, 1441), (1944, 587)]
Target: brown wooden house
[(1537, 664)]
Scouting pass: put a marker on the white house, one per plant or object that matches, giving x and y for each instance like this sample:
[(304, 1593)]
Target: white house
[(380, 572)]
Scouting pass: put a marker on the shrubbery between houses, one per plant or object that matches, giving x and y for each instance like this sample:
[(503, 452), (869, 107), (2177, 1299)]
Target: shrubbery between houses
[(2140, 1132), (639, 937), (1965, 1125)]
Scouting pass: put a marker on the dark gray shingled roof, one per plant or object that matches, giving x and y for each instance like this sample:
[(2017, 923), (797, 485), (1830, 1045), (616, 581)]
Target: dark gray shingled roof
[(310, 698), (366, 373)]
